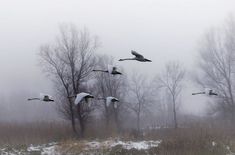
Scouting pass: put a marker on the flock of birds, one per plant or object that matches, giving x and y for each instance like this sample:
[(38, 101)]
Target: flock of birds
[(110, 99), (86, 96)]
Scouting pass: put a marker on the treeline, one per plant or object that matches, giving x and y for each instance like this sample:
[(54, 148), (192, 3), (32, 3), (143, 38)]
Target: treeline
[(70, 59)]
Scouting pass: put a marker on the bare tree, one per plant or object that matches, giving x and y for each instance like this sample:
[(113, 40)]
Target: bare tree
[(69, 61), (217, 66), (110, 85), (171, 80), (139, 97), (164, 107)]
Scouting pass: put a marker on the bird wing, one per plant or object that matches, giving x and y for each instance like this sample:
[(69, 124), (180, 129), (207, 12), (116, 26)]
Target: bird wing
[(207, 91), (46, 97), (115, 99), (80, 97), (108, 100), (41, 96), (136, 54), (114, 68), (110, 68)]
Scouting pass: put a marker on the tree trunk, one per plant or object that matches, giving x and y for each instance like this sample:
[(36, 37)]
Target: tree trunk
[(174, 111), (138, 122), (232, 115), (116, 120), (82, 131), (106, 116), (72, 116), (81, 121), (138, 117), (107, 122)]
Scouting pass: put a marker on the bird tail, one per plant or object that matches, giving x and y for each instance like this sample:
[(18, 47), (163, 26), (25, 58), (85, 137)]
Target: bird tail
[(91, 96), (214, 94), (116, 72), (148, 60)]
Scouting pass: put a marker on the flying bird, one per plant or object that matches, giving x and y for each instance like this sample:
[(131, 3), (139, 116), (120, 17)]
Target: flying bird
[(111, 70), (137, 57), (109, 100), (81, 96), (43, 97), (207, 92)]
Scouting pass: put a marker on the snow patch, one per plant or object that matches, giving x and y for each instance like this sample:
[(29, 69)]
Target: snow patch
[(54, 148), (213, 143), (49, 150), (139, 145), (45, 149)]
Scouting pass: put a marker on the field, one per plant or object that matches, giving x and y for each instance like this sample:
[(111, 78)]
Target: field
[(56, 138)]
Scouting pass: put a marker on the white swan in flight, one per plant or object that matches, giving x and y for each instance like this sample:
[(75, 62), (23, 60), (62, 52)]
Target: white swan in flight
[(43, 97), (109, 100), (111, 70), (207, 91), (137, 57), (81, 96)]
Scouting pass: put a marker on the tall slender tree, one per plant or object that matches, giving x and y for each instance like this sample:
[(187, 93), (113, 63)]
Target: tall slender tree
[(69, 61), (139, 97), (171, 79)]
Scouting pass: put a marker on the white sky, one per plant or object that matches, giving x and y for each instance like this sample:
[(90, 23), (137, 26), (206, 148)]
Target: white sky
[(162, 30)]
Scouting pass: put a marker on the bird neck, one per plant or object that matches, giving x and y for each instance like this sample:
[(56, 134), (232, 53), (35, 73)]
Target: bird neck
[(34, 99), (199, 93), (100, 70), (128, 59)]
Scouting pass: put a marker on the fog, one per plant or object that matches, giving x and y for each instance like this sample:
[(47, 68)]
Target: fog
[(162, 30)]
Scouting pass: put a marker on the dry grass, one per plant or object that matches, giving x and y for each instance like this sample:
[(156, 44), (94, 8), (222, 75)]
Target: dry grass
[(33, 133), (194, 141), (183, 141)]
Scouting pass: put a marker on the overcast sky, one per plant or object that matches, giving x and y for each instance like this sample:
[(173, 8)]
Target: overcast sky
[(162, 30)]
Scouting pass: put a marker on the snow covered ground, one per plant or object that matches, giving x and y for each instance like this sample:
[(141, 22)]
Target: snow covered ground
[(87, 146), (139, 145), (105, 147), (44, 149)]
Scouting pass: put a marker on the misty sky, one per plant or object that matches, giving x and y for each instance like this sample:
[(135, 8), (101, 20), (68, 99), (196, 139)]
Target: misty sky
[(162, 30)]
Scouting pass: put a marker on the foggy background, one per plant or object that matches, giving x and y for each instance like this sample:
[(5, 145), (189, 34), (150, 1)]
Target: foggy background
[(160, 30)]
